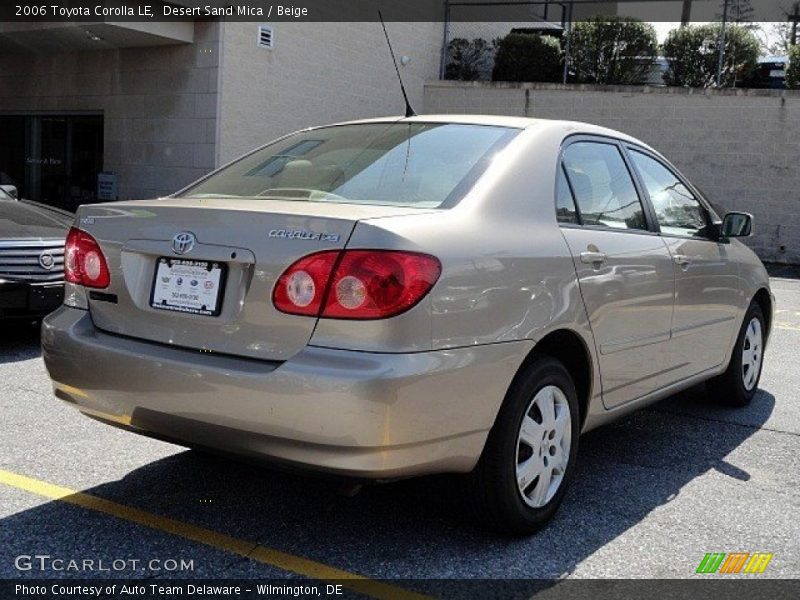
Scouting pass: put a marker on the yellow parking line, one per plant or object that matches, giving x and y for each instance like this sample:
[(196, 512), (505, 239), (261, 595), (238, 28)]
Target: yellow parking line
[(214, 539)]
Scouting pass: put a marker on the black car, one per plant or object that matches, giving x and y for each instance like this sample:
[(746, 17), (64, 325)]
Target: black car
[(770, 73), (32, 239)]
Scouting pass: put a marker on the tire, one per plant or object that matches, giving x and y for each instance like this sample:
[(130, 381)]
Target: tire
[(738, 384), (522, 506)]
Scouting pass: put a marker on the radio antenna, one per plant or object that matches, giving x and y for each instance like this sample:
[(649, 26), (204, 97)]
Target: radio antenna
[(409, 111)]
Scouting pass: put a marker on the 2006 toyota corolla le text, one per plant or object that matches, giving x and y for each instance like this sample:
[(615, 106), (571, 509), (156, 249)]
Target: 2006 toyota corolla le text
[(397, 297)]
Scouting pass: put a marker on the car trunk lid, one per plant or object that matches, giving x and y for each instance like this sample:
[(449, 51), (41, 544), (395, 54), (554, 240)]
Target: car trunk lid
[(252, 243)]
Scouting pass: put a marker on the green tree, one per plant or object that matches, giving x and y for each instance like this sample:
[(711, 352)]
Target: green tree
[(692, 54), (793, 70), (612, 50), (527, 57), (468, 60)]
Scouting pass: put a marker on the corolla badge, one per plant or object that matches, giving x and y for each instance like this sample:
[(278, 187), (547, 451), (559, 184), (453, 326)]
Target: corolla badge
[(46, 260), (302, 234), (183, 242)]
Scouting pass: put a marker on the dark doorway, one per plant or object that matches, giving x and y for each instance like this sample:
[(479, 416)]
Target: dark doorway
[(53, 159)]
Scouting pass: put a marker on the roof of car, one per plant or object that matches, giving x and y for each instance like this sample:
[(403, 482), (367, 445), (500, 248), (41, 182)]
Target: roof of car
[(568, 127)]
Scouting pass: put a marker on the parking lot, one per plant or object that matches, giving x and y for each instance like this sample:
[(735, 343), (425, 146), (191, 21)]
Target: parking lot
[(653, 494)]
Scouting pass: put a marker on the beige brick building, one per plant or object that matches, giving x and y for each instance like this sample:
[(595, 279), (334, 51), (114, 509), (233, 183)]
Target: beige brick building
[(158, 105)]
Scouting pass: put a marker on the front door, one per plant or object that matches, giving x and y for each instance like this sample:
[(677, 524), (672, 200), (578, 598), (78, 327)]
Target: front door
[(624, 271), (706, 280)]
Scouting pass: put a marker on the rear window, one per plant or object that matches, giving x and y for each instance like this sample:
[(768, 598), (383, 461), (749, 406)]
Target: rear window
[(426, 165)]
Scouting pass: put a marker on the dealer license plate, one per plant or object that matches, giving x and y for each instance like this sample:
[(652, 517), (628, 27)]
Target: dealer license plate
[(188, 286)]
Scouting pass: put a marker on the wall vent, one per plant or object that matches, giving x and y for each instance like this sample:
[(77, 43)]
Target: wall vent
[(266, 37)]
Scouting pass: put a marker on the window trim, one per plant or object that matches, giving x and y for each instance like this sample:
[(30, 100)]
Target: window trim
[(578, 215), (647, 209), (630, 147)]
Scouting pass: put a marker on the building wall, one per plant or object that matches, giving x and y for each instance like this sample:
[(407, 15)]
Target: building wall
[(317, 73), (159, 104), (741, 147)]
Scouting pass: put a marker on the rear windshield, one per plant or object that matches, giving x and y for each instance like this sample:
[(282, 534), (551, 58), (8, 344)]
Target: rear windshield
[(426, 165)]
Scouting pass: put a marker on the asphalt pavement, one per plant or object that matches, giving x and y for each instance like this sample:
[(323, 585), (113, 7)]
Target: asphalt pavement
[(653, 493)]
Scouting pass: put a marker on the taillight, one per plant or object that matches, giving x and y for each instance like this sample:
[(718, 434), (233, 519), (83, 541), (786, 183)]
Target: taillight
[(301, 288), (84, 262), (373, 284), (356, 284)]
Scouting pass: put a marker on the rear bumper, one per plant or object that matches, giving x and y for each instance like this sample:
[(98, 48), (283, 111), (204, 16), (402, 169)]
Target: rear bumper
[(23, 299), (354, 413)]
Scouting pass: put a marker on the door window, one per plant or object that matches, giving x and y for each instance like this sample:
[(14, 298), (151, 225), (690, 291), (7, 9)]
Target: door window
[(678, 212), (603, 186)]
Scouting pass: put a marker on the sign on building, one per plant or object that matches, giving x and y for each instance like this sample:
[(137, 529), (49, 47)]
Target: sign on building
[(107, 186)]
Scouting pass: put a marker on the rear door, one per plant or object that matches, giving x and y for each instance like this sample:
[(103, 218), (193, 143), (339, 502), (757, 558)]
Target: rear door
[(706, 279), (624, 268)]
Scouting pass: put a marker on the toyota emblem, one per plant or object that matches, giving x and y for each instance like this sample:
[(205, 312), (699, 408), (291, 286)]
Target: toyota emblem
[(183, 242)]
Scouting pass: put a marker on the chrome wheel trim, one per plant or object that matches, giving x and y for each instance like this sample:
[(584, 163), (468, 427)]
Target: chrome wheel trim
[(543, 445), (752, 351)]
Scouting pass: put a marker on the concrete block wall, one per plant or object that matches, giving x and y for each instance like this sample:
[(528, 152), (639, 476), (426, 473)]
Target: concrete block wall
[(159, 105), (317, 73), (740, 147)]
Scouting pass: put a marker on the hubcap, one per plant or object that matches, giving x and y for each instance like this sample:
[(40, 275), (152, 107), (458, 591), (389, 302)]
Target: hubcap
[(543, 445), (751, 354)]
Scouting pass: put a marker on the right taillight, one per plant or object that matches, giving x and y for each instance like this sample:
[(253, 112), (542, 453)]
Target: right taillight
[(84, 262), (356, 284)]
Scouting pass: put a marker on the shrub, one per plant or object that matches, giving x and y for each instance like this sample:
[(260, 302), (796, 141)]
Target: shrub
[(693, 53), (612, 50), (793, 70), (527, 57), (468, 60), (689, 62)]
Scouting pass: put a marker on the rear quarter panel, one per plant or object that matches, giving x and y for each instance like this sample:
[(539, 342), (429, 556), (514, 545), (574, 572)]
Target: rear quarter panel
[(507, 273)]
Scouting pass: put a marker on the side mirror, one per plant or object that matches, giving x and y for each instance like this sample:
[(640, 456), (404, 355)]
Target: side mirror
[(11, 190), (737, 224)]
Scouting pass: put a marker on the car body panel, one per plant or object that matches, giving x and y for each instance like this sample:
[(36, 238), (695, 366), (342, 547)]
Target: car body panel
[(22, 219), (708, 300), (414, 393), (133, 235), (355, 413), (629, 299)]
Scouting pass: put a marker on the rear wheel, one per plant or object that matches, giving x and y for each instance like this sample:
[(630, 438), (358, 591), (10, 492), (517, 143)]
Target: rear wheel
[(530, 453), (738, 384)]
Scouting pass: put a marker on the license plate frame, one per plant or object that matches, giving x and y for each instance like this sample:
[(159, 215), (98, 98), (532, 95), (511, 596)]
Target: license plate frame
[(192, 271)]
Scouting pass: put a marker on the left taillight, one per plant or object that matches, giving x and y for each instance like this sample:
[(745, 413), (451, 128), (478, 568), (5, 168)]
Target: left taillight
[(84, 262)]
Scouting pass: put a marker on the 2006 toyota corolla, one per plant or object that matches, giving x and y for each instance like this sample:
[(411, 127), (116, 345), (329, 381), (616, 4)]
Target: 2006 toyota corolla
[(397, 297)]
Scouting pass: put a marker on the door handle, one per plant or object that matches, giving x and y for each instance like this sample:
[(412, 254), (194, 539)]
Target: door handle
[(593, 258), (682, 260)]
